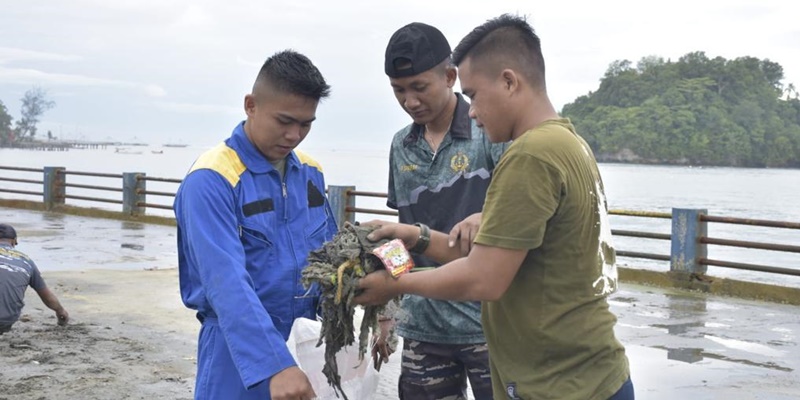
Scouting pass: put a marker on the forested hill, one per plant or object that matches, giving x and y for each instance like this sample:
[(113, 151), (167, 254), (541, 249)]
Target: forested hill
[(695, 111)]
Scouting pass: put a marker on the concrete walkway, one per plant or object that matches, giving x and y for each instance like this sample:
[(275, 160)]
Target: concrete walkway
[(681, 345)]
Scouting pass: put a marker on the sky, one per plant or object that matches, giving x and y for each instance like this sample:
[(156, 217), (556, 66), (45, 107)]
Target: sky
[(176, 71)]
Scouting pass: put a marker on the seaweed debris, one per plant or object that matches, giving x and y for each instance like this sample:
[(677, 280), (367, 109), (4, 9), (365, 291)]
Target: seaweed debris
[(337, 267)]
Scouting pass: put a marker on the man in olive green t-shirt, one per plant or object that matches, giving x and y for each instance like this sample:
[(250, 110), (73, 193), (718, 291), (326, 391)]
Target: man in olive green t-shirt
[(547, 197), (545, 229)]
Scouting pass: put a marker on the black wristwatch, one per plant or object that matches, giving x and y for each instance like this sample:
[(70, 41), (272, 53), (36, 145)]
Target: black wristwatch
[(423, 240)]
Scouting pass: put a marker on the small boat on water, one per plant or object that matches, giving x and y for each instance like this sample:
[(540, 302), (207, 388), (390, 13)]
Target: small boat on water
[(124, 150)]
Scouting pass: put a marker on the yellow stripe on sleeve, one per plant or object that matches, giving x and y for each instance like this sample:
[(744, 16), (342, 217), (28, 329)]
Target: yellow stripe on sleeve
[(306, 159), (223, 160)]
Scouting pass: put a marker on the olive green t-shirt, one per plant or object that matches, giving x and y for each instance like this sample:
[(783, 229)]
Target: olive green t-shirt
[(551, 335)]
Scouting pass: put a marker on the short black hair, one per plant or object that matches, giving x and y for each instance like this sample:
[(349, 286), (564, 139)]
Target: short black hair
[(292, 72), (509, 39)]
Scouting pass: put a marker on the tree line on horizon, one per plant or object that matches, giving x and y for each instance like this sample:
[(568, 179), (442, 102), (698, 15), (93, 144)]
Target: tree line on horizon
[(693, 111)]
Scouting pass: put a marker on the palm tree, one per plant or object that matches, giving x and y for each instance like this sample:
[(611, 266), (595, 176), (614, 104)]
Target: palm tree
[(791, 92)]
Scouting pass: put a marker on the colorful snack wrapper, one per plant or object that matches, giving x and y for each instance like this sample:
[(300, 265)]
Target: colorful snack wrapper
[(395, 257)]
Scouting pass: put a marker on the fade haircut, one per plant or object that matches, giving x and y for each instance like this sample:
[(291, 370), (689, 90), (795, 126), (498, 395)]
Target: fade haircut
[(444, 66), (441, 68), (293, 73), (507, 41)]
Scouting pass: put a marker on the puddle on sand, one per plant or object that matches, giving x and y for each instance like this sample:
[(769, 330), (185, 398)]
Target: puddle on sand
[(691, 355), (681, 376), (750, 347)]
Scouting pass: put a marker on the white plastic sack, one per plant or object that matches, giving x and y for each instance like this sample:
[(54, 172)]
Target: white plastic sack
[(359, 378)]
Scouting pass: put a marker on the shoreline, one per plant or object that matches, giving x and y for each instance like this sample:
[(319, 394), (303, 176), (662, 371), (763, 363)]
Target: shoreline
[(602, 158)]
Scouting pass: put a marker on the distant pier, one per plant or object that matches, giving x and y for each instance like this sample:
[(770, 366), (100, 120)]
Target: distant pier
[(66, 145)]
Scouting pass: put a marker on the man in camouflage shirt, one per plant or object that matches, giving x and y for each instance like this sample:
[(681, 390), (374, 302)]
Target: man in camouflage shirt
[(440, 168)]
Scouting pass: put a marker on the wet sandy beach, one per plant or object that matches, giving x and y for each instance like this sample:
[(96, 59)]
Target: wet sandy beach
[(128, 338)]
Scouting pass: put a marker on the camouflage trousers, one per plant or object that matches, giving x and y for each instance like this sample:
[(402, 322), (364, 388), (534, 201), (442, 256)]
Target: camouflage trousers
[(434, 371)]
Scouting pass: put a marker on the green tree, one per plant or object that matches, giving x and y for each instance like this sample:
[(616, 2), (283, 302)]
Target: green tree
[(34, 105), (696, 110), (5, 125), (773, 72)]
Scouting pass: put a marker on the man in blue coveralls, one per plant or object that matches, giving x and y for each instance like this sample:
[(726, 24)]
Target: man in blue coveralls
[(249, 211)]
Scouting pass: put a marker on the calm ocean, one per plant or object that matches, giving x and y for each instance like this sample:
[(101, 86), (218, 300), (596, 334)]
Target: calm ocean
[(735, 192)]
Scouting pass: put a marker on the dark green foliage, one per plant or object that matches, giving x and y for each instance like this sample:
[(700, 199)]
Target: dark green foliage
[(351, 248), (34, 105), (5, 125), (696, 110)]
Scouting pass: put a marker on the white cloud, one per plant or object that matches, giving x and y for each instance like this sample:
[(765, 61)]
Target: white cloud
[(33, 77), (154, 90), (194, 16), (10, 54), (247, 63), (27, 76), (193, 108)]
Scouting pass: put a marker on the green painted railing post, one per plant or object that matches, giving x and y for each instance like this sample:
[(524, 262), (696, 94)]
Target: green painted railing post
[(687, 229), (340, 199), (54, 190), (133, 187)]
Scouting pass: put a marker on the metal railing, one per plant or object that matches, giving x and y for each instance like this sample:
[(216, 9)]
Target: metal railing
[(143, 192), (60, 184), (705, 240), (688, 237), (18, 180), (641, 234), (57, 187)]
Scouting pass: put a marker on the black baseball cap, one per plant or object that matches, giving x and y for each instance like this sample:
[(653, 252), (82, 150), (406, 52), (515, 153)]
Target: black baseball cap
[(7, 232), (420, 45)]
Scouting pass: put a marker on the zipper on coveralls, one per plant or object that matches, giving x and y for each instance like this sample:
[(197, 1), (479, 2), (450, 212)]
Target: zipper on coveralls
[(291, 242)]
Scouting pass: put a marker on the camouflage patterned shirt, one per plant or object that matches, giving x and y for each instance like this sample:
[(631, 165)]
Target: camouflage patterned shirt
[(440, 189)]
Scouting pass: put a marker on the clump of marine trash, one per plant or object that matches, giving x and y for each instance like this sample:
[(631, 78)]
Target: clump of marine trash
[(337, 267)]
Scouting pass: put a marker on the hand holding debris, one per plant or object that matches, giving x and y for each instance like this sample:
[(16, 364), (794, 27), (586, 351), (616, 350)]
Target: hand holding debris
[(337, 268)]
